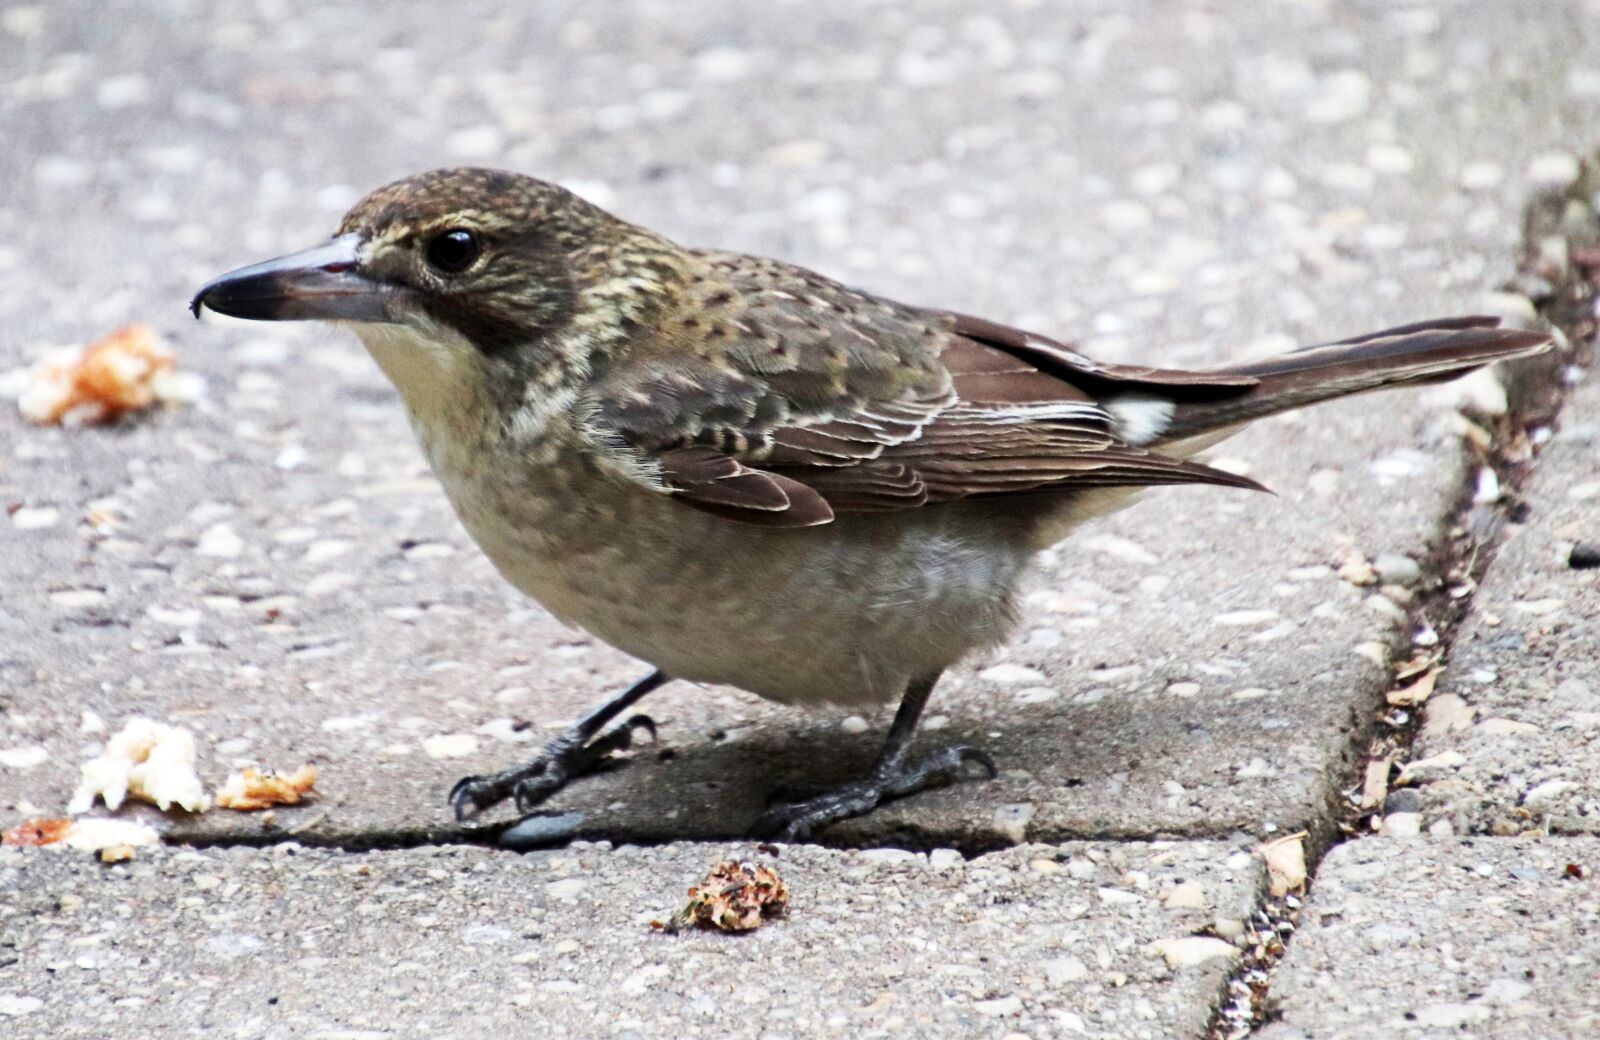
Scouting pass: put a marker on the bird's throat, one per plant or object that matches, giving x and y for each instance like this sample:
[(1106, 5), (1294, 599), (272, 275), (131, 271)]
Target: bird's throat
[(443, 380)]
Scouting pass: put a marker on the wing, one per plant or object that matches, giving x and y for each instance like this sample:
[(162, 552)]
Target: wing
[(782, 398)]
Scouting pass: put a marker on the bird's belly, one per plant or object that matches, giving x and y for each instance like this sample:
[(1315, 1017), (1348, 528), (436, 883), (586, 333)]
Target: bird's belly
[(846, 613)]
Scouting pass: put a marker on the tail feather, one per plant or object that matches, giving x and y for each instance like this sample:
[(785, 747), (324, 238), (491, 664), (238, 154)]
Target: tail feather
[(1411, 355)]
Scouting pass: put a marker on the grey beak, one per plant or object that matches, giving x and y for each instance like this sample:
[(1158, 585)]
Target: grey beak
[(321, 283)]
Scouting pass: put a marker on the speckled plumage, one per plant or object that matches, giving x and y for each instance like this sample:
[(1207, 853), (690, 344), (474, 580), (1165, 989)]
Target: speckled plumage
[(743, 472)]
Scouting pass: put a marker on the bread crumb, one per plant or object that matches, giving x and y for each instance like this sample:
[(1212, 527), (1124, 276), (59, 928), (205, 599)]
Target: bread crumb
[(36, 832), (126, 371), (146, 760), (734, 897), (253, 789)]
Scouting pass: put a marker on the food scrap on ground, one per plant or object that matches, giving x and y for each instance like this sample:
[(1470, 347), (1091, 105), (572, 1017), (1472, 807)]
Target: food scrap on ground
[(115, 840), (734, 897), (253, 789), (146, 760), (126, 371), (36, 832)]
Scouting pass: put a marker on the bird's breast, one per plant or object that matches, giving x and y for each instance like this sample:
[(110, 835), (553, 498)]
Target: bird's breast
[(843, 613)]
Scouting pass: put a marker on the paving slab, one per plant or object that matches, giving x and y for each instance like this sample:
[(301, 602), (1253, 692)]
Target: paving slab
[(1169, 182), (1512, 740), (289, 941), (1486, 937)]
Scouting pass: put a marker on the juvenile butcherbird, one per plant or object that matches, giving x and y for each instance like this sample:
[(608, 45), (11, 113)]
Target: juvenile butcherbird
[(742, 472)]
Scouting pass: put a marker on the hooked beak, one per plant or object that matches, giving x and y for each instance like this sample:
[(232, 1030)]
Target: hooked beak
[(321, 283)]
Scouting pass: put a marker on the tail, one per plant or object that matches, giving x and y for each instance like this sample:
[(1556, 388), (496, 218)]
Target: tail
[(1411, 355)]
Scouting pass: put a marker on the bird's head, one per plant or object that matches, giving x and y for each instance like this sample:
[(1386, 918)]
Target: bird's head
[(486, 253), (480, 293)]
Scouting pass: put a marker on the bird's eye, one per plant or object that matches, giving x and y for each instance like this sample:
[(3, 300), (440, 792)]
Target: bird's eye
[(453, 251)]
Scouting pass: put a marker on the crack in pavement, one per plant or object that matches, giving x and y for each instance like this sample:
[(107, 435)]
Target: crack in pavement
[(1506, 447), (1472, 529)]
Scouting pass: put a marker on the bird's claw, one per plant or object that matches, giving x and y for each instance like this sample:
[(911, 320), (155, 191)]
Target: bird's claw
[(471, 795), (529, 784), (796, 820)]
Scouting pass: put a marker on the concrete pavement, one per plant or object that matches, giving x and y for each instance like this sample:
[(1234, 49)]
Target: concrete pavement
[(288, 941), (274, 569)]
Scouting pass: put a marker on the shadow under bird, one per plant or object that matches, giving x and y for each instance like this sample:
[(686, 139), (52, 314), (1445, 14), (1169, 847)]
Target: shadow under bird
[(742, 472)]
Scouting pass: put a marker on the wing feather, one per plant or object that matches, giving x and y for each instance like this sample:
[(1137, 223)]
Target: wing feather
[(829, 401)]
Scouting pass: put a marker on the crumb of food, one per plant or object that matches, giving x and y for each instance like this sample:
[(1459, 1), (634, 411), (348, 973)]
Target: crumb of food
[(94, 834), (253, 789), (146, 760), (734, 897), (126, 371), (98, 833), (36, 832)]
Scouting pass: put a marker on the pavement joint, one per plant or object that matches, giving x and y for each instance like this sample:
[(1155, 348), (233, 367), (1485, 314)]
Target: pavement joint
[(1537, 389)]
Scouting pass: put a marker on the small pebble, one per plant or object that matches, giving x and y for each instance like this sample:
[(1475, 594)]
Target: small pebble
[(1246, 617), (1192, 950), (1546, 791), (1554, 169), (28, 519), (1228, 927), (536, 831), (1011, 673), (221, 541), (1062, 970), (1000, 1007), (567, 888), (1402, 825), (450, 745), (1506, 728), (24, 757), (78, 599), (1186, 896), (1447, 713), (1012, 821), (1449, 1016), (1584, 556), (1397, 569), (1404, 800), (13, 1006)]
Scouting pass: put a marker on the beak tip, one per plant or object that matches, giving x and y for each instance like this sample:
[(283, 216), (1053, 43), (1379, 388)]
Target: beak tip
[(322, 283)]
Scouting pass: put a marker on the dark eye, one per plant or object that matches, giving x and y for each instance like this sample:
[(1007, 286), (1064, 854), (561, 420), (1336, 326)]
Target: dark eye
[(453, 251)]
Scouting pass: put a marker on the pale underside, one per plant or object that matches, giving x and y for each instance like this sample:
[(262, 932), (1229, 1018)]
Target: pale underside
[(845, 612)]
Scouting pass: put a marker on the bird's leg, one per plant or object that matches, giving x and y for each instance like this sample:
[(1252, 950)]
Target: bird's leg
[(579, 750), (893, 777)]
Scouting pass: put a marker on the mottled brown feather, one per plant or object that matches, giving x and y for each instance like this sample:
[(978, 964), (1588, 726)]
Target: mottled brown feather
[(869, 405)]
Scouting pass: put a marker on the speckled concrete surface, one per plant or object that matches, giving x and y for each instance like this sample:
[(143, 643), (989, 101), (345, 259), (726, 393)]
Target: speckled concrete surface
[(279, 573), (274, 568), (1479, 937), (1513, 741), (287, 942)]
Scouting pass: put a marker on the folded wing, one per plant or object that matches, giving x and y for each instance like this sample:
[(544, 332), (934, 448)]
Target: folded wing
[(799, 400)]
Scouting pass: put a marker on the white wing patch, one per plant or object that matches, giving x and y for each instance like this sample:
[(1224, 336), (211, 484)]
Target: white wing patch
[(1139, 418)]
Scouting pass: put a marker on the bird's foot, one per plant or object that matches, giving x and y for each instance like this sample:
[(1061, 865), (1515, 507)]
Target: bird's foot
[(795, 820), (563, 760)]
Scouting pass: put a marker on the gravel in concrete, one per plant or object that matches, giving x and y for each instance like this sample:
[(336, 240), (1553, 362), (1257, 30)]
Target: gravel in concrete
[(287, 941), (274, 568), (1486, 937), (1512, 740)]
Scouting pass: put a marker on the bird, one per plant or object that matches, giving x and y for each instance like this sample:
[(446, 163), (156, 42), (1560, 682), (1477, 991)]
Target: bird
[(742, 472)]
